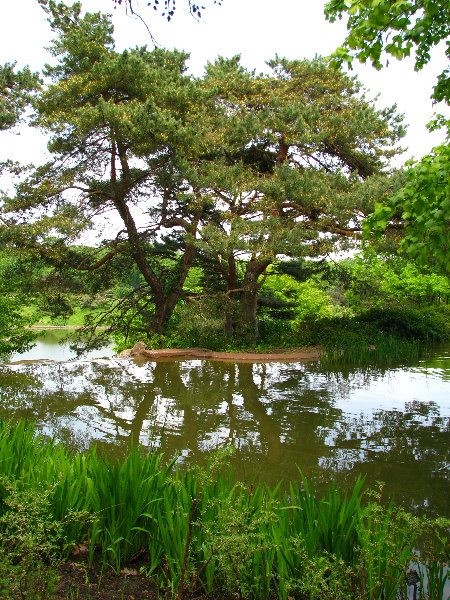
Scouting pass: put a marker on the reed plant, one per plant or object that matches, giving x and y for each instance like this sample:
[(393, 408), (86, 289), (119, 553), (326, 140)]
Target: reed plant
[(25, 455), (381, 348), (199, 532), (327, 525), (432, 565), (437, 577), (123, 495)]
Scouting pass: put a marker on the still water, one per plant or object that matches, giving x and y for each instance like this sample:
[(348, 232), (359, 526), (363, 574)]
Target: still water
[(391, 424)]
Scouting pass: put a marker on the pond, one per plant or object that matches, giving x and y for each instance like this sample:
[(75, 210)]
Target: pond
[(390, 424)]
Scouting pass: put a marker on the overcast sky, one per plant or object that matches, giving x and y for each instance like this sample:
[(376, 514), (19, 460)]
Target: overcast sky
[(251, 28)]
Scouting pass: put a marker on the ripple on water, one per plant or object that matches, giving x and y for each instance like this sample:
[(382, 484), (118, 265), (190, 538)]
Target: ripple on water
[(390, 424)]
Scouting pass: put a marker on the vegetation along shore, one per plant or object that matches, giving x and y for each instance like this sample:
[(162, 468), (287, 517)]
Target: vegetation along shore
[(159, 531)]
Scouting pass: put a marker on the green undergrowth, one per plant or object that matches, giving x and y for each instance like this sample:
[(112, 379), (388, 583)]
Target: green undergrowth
[(375, 335), (197, 532)]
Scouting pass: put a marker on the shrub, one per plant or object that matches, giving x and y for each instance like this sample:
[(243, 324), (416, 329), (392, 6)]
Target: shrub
[(30, 540), (427, 325)]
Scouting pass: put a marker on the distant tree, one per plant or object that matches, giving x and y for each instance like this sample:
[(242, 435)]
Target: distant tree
[(396, 28)]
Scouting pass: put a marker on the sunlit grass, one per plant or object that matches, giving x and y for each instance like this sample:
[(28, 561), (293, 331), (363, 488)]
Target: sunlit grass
[(77, 319)]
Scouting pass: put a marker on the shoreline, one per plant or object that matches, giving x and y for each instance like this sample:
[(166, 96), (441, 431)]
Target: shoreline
[(302, 354), (62, 327), (312, 353), (139, 352)]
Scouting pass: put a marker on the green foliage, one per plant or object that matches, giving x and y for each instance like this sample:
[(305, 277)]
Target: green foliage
[(15, 93), (302, 300), (423, 325), (395, 27), (383, 325), (13, 336), (328, 525), (434, 562), (386, 536), (201, 532), (378, 334), (277, 333), (198, 323), (120, 494), (29, 542), (423, 208), (392, 281)]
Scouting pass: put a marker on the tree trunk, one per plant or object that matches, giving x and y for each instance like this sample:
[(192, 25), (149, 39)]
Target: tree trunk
[(249, 297), (159, 316), (231, 285), (165, 301)]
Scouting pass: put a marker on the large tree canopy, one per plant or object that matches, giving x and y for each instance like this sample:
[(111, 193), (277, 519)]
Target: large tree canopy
[(231, 164), (303, 150), (395, 27)]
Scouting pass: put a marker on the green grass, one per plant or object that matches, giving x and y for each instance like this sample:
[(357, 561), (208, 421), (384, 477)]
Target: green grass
[(75, 319), (199, 531)]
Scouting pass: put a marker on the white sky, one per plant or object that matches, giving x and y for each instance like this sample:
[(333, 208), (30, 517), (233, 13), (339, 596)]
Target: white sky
[(252, 28)]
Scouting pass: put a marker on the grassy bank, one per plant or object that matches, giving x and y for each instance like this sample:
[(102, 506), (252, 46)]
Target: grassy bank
[(195, 532), (76, 318), (376, 335)]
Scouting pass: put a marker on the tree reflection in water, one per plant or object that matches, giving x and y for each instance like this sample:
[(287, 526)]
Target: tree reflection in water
[(277, 415)]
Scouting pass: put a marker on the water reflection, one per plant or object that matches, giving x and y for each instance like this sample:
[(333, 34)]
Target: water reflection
[(392, 425)]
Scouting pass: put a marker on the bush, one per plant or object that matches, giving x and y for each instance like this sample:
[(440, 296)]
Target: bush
[(429, 325), (198, 323), (29, 541)]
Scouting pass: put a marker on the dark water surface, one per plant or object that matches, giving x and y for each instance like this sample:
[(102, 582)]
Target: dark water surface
[(392, 424)]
